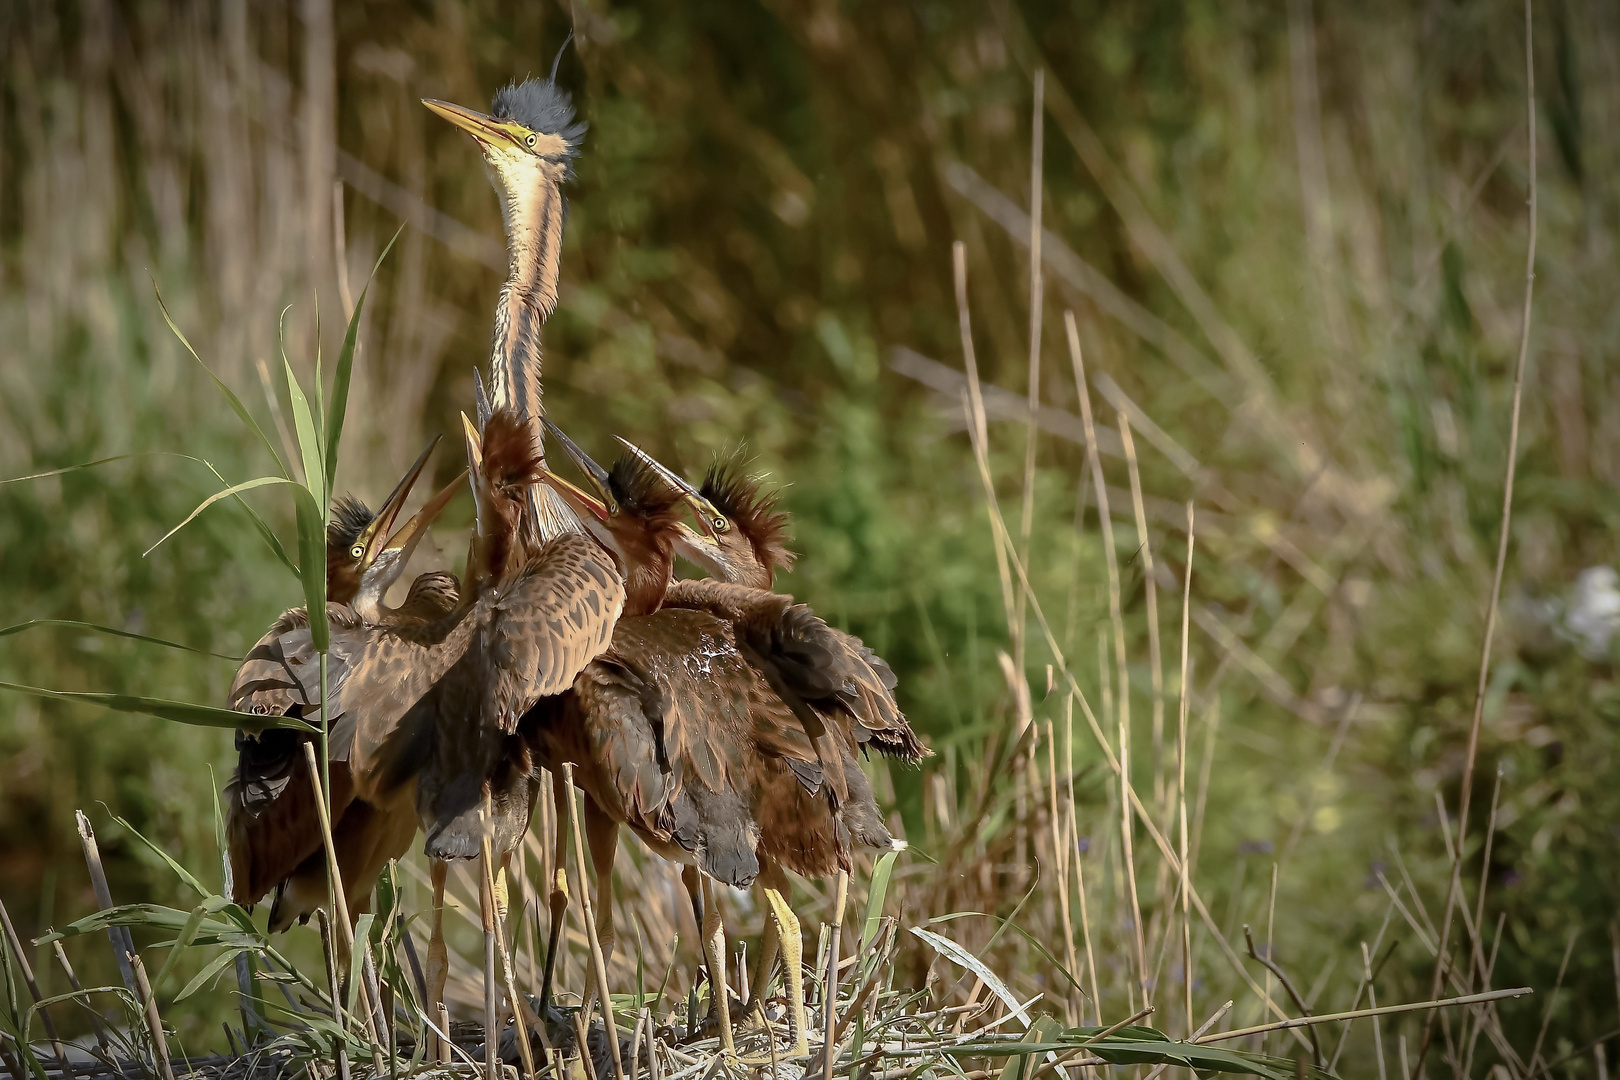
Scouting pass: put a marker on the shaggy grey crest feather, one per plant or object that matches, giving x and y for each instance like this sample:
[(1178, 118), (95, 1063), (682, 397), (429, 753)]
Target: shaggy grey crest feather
[(540, 105)]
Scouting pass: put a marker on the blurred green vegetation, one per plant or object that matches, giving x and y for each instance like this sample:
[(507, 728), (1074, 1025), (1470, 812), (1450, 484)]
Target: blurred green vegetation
[(763, 213)]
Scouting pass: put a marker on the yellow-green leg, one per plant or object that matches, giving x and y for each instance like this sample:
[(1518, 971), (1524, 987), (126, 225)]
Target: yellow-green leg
[(774, 883), (714, 950)]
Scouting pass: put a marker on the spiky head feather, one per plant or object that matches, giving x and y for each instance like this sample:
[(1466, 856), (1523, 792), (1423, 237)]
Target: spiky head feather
[(741, 497)]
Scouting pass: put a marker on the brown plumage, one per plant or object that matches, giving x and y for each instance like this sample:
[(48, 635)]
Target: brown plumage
[(530, 623), (678, 722), (273, 834), (833, 673)]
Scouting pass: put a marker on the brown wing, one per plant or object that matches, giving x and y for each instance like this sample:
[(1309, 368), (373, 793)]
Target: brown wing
[(849, 685), (555, 617), (528, 639), (270, 820), (666, 737)]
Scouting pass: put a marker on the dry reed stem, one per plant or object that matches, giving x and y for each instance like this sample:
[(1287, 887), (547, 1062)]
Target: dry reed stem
[(78, 988), (1181, 775), (1454, 881), (519, 1025), (1116, 617), (1062, 852), (488, 917), (1287, 983), (340, 905), (830, 986), (1214, 1018), (33, 991), (1074, 851), (1359, 1014), (976, 421), (598, 967), (1114, 765), (1365, 983), (1067, 1057), (1036, 298), (123, 944), (1155, 656), (1372, 999), (1552, 1000), (340, 1056), (154, 1022), (1269, 961)]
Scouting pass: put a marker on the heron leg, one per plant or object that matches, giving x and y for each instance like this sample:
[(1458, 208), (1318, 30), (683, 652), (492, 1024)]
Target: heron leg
[(775, 885), (714, 948), (770, 943), (559, 892), (438, 965)]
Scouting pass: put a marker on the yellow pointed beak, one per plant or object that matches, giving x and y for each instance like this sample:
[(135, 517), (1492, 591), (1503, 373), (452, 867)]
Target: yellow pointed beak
[(481, 126), (597, 475), (411, 533), (373, 536), (709, 519), (582, 501)]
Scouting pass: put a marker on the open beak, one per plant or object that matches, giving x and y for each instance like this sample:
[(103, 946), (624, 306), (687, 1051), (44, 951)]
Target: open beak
[(582, 501), (597, 475), (475, 467), (710, 520), (372, 538), (406, 539), (486, 129), (698, 547)]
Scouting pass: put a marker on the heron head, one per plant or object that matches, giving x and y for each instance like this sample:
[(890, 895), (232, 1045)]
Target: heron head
[(529, 133), (395, 555), (357, 539), (635, 511), (751, 546)]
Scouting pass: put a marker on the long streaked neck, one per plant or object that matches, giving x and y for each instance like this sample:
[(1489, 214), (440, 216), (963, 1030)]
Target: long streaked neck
[(532, 209)]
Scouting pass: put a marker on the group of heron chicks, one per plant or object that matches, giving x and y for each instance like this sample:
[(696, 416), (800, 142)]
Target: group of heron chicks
[(717, 719)]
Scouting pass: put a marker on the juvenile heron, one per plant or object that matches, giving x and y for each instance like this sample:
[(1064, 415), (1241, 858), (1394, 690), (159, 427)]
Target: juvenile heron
[(841, 693), (806, 800), (273, 837), (438, 712)]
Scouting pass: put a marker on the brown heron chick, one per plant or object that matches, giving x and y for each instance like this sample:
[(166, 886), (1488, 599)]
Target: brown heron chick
[(438, 711), (807, 798), (741, 540), (529, 139), (273, 836)]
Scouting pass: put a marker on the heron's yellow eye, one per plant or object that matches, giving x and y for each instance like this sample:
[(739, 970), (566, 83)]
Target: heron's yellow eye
[(531, 140), (721, 524), (357, 551)]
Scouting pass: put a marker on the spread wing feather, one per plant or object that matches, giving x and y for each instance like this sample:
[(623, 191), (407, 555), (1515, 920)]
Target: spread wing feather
[(525, 640)]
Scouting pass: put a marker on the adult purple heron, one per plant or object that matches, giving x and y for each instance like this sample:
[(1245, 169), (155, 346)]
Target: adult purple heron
[(273, 838), (529, 139)]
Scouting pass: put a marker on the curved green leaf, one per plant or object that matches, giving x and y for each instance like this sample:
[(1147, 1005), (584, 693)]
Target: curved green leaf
[(17, 628), (209, 971), (312, 559), (234, 489), (339, 404), (236, 402), (952, 951), (181, 712)]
